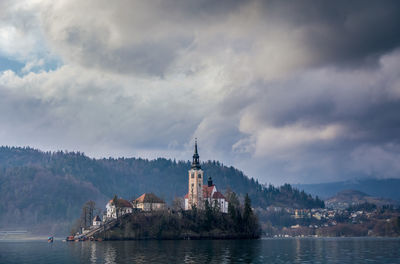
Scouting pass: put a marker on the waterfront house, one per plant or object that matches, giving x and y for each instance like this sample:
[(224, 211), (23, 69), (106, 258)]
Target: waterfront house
[(122, 207), (149, 202)]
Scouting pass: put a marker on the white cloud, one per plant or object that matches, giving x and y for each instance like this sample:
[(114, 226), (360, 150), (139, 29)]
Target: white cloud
[(286, 142), (381, 161), (78, 108)]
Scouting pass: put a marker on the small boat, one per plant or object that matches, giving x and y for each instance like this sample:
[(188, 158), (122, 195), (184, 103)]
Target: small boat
[(50, 239), (70, 239)]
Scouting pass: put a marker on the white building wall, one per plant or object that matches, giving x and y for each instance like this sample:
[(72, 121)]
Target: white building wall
[(186, 204), (150, 206), (96, 223), (223, 204), (112, 213)]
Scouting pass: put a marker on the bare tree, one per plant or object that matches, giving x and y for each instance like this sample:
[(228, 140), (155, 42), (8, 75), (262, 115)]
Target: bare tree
[(87, 214), (178, 204), (117, 205)]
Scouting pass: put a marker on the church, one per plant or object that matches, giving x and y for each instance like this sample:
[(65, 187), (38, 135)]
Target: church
[(199, 193)]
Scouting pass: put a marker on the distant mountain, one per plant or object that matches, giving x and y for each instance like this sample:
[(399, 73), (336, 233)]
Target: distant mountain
[(385, 188), (45, 190), (347, 198)]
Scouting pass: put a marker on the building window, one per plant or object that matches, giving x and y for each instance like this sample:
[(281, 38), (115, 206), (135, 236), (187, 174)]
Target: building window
[(192, 175), (200, 185), (199, 175)]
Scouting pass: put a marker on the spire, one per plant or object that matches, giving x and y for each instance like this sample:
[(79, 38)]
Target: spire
[(196, 157), (195, 147)]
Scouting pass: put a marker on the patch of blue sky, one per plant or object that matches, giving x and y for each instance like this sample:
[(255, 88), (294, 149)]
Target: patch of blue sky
[(48, 64), (22, 68), (9, 64)]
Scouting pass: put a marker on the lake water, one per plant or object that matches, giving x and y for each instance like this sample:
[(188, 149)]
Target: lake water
[(304, 250)]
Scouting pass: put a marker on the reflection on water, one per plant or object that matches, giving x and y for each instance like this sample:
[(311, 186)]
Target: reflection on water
[(93, 257), (168, 251), (110, 253), (333, 250)]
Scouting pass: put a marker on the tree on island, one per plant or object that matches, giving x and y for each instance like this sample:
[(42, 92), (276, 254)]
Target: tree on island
[(249, 219), (118, 207), (209, 215), (178, 204), (233, 203), (87, 214), (243, 218)]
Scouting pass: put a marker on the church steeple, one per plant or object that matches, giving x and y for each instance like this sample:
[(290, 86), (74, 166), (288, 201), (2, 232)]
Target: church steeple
[(196, 157), (195, 194)]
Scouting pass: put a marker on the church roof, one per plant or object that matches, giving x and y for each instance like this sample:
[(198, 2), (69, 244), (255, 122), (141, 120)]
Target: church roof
[(218, 195), (149, 198), (208, 190)]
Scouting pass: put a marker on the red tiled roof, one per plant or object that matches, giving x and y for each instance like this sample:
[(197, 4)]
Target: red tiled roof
[(149, 198), (187, 196), (207, 190), (122, 202), (218, 195)]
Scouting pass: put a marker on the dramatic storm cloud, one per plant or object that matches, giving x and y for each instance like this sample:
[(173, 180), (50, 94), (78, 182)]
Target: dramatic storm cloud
[(288, 91)]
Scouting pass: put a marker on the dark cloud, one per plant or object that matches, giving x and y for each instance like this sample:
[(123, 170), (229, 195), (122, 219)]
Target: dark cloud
[(134, 37), (341, 32)]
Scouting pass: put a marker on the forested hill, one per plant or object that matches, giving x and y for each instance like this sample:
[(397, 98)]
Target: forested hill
[(41, 188)]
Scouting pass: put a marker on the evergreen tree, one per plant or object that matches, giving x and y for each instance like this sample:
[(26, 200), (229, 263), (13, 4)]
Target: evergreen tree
[(209, 215), (250, 222), (233, 206), (247, 211)]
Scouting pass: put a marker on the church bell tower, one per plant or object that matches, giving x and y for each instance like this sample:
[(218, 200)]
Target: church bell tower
[(196, 175)]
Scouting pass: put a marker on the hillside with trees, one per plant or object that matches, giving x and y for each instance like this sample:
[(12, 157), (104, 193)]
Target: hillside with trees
[(45, 190)]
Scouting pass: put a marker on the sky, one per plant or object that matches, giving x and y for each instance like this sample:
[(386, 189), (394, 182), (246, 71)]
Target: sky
[(287, 91)]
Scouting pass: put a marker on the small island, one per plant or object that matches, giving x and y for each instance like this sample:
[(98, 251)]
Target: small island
[(209, 223), (204, 213)]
